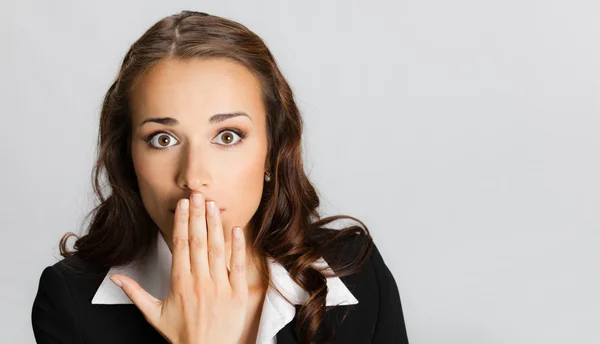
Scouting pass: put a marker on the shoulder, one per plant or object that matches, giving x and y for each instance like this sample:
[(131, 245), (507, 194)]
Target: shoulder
[(352, 248), (75, 268), (357, 260), (377, 317), (376, 285), (64, 289), (372, 273), (73, 277)]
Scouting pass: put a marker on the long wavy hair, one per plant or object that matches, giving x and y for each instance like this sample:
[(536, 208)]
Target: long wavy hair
[(286, 226)]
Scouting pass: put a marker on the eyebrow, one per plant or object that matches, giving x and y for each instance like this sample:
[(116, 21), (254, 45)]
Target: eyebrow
[(218, 118)]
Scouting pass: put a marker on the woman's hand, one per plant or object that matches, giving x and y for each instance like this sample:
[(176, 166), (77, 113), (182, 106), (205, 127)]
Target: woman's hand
[(204, 304)]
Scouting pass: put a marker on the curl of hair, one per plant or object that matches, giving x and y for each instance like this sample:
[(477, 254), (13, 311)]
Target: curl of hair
[(286, 226)]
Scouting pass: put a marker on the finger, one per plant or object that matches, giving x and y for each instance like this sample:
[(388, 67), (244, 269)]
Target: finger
[(237, 275), (216, 244), (147, 304), (198, 237), (180, 264)]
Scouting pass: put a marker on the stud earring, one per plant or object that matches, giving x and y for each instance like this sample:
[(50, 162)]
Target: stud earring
[(267, 176)]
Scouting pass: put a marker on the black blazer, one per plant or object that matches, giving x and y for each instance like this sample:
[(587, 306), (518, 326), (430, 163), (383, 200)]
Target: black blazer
[(63, 313)]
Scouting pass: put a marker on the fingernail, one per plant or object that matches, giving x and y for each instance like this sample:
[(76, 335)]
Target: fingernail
[(212, 208), (197, 199), (185, 204), (237, 233), (116, 281)]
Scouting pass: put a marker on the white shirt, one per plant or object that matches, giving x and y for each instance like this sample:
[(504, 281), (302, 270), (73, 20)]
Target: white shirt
[(153, 274)]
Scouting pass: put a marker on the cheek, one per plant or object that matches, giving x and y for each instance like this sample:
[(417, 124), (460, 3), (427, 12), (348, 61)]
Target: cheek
[(142, 171), (150, 193), (151, 189), (245, 190)]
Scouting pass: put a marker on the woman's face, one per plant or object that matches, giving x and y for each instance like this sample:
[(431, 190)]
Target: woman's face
[(199, 125)]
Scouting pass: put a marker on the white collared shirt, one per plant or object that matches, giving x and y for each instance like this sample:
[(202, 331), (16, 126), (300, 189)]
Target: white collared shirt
[(153, 274)]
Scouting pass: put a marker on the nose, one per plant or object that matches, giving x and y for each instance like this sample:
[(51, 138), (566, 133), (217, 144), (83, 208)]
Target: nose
[(193, 172)]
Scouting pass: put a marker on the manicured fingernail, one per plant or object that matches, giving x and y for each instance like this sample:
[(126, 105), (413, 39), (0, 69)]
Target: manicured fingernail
[(116, 281), (237, 233), (197, 199), (185, 204), (212, 208)]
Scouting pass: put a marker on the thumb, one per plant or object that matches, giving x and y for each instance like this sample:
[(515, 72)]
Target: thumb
[(145, 302)]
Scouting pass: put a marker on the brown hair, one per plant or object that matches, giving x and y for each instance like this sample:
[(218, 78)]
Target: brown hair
[(286, 225)]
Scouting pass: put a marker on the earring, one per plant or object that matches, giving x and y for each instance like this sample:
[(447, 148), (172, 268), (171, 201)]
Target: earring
[(267, 176)]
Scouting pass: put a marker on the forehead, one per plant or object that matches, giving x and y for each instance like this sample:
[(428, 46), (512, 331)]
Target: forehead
[(199, 87)]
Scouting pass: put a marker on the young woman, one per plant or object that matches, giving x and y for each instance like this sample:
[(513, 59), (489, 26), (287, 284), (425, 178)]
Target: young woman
[(211, 232)]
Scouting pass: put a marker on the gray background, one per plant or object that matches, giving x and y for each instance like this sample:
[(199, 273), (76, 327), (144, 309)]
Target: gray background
[(464, 133)]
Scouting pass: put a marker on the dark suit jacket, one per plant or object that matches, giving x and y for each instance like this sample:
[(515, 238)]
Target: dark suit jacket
[(63, 313)]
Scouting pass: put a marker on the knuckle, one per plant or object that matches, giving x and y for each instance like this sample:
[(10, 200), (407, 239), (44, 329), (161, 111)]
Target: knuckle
[(223, 293), (202, 288), (238, 247), (180, 287), (197, 213), (180, 241), (197, 241), (132, 294), (239, 298), (180, 296), (178, 282), (182, 218), (216, 251)]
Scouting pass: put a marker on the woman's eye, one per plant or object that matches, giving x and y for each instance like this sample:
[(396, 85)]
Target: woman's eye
[(164, 140), (161, 140), (228, 138)]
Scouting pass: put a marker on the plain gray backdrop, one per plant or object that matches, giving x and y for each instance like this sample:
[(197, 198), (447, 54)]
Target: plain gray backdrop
[(464, 133)]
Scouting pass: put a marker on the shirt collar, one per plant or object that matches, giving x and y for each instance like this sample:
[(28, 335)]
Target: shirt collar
[(153, 274)]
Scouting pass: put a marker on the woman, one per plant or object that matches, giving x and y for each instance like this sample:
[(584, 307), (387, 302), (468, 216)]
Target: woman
[(211, 232)]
